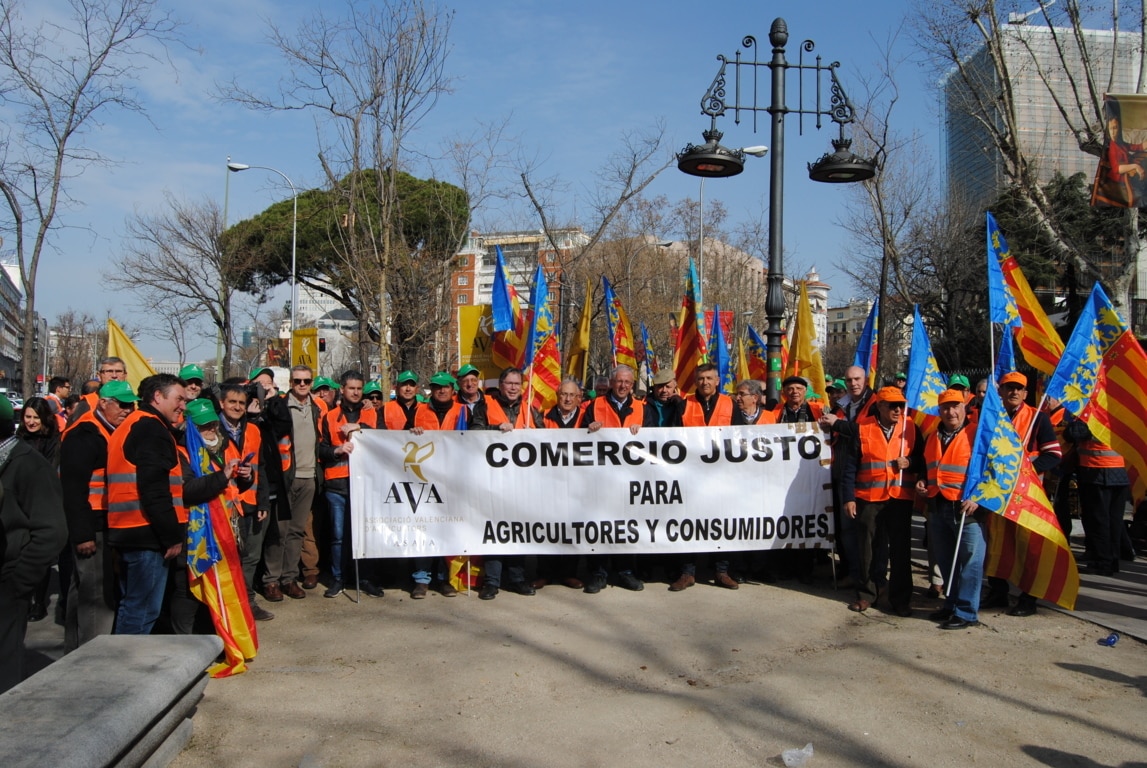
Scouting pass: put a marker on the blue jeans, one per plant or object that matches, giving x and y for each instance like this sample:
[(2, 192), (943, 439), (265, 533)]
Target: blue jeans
[(142, 583), (964, 593), (339, 505)]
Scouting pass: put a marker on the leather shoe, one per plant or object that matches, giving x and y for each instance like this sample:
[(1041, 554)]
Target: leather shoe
[(995, 600), (446, 589), (595, 585), (259, 613), (573, 582), (860, 606), (941, 615), (539, 583), (310, 582), (683, 583), (726, 581), (294, 591), (627, 580), (272, 592), (521, 588), (489, 592), (957, 623), (419, 591), (1023, 608), (38, 611)]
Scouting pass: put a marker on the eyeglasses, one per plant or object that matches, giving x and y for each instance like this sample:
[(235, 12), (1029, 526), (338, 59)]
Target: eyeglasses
[(301, 381), (374, 397)]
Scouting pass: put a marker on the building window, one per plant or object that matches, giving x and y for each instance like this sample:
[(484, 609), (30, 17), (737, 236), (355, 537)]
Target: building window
[(463, 298), (463, 280), (463, 261), (839, 315)]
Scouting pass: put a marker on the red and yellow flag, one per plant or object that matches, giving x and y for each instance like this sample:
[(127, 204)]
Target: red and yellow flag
[(510, 329), (542, 356), (690, 351), (1038, 340)]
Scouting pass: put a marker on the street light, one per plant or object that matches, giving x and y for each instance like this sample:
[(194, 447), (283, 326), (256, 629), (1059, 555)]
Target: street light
[(235, 168), (688, 159), (711, 160)]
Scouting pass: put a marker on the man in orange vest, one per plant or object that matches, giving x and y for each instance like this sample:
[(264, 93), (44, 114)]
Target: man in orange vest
[(706, 407), (947, 453), (339, 425), (878, 488), (147, 520), (110, 369), (192, 376), (470, 387), (504, 411), (795, 406), (1103, 487), (399, 412), (619, 409), (1042, 446), (565, 415), (83, 475)]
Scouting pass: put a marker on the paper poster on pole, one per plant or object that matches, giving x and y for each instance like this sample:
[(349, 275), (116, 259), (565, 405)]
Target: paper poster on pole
[(571, 492)]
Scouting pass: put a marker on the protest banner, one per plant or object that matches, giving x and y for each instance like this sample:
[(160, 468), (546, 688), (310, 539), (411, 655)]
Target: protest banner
[(710, 489)]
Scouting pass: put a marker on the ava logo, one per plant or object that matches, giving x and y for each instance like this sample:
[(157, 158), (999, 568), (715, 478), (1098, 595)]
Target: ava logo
[(409, 493), (415, 455), (486, 325)]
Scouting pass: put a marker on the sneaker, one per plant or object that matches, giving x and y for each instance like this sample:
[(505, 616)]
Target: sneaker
[(595, 584), (419, 591), (446, 589), (370, 588), (259, 613), (334, 590), (627, 580)]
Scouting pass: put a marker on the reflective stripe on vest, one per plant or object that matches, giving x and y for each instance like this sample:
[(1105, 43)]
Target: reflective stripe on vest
[(252, 443), (876, 480), (1093, 453), (124, 510), (97, 483), (947, 469), (694, 415), (285, 452), (339, 469)]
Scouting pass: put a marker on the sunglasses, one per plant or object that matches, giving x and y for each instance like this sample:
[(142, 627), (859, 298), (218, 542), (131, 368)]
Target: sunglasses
[(374, 397), (301, 381)]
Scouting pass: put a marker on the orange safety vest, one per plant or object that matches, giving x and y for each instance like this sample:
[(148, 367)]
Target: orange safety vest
[(948, 468), (549, 423), (694, 415), (1023, 420), (98, 483), (394, 415), (877, 480), (815, 410), (340, 468), (1093, 453), (427, 418), (322, 404), (609, 417), (252, 443), (496, 414), (124, 510)]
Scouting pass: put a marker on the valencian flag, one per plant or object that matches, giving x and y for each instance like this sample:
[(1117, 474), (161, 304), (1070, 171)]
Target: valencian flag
[(1025, 543), (1006, 356), (543, 360), (650, 356), (804, 355), (690, 350), (924, 383), (756, 355), (1101, 379), (510, 331), (867, 349), (1121, 178), (121, 346), (1011, 298), (621, 339), (577, 362), (214, 568), (719, 353)]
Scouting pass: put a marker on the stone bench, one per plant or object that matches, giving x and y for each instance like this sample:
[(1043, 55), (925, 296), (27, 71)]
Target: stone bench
[(118, 700)]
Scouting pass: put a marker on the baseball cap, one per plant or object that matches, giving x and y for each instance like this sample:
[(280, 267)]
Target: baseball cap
[(442, 379), (370, 387), (200, 411), (950, 396), (663, 377), (468, 369), (255, 372), (890, 395), (902, 376), (190, 372), (1014, 377), (406, 376), (119, 390), (323, 381)]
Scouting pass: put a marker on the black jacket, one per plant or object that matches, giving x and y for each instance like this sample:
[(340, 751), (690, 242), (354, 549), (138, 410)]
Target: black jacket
[(32, 524)]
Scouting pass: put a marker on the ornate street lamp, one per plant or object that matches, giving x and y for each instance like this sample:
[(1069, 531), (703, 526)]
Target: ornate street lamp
[(711, 160)]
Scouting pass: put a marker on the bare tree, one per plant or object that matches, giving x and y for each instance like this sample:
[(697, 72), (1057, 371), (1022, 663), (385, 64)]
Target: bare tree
[(985, 53), (58, 80), (370, 77), (176, 266), (80, 342)]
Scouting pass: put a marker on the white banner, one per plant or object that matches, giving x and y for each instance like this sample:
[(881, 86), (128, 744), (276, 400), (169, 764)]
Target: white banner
[(565, 491)]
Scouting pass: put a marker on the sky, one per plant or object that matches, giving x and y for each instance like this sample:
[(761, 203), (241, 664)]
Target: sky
[(572, 78)]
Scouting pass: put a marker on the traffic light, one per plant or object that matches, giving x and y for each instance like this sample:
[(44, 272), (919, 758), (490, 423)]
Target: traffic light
[(322, 344)]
